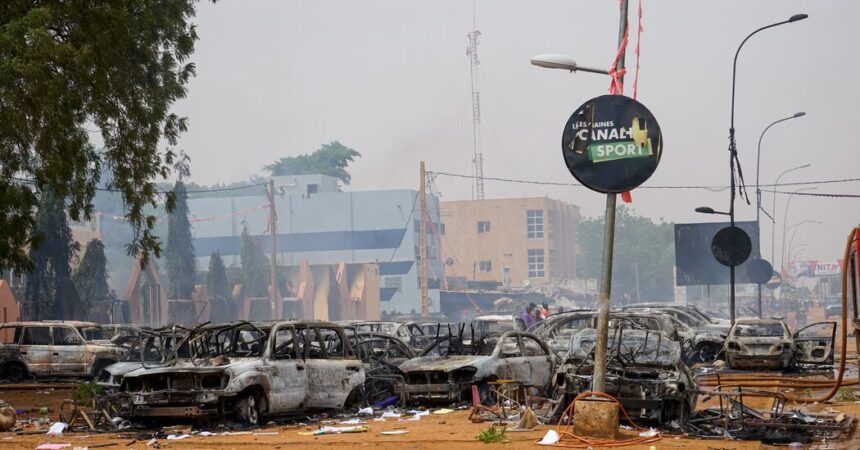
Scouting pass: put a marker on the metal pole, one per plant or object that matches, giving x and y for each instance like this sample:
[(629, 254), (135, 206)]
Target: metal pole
[(422, 242), (599, 380), (273, 228)]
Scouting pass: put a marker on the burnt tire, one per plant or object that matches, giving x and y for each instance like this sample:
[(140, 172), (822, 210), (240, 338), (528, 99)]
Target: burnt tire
[(14, 372), (248, 409), (708, 352), (100, 367)]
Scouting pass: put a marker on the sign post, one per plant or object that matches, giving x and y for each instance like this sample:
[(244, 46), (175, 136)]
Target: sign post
[(611, 144)]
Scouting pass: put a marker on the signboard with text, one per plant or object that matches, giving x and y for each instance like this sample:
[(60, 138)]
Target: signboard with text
[(612, 144)]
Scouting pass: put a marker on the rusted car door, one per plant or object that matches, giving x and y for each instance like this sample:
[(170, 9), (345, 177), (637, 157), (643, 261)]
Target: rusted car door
[(332, 372), (510, 361), (814, 343), (36, 349), (288, 371), (68, 355)]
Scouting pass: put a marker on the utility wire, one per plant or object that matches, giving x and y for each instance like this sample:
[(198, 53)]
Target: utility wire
[(711, 187), (814, 194)]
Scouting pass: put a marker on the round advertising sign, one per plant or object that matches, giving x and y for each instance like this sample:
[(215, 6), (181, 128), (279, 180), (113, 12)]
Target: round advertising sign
[(731, 246), (612, 144), (760, 271)]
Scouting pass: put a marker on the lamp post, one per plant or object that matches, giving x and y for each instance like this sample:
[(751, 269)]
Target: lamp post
[(556, 61), (773, 208), (785, 222), (796, 227), (733, 151), (758, 208)]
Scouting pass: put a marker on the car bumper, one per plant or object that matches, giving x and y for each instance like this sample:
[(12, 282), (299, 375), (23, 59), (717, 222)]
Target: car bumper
[(758, 361), (440, 391)]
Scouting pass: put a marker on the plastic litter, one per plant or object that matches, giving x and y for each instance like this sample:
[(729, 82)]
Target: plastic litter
[(394, 432), (443, 411), (50, 446), (355, 421), (57, 429), (550, 438), (390, 415), (335, 430), (365, 411), (648, 433), (178, 437)]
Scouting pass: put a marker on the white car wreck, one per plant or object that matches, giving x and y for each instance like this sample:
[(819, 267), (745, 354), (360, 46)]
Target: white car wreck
[(768, 344), (245, 370), (446, 370)]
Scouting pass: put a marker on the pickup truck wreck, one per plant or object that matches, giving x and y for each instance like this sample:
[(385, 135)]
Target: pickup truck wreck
[(245, 370), (447, 369), (644, 372)]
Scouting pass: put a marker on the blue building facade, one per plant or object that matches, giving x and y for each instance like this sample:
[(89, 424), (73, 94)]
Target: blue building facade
[(318, 222)]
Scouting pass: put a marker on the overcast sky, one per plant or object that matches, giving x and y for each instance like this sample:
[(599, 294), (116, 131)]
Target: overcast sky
[(391, 79)]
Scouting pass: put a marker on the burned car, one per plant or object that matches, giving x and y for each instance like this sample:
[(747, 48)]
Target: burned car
[(246, 370), (447, 369), (768, 344), (410, 333), (49, 349), (644, 371), (706, 335)]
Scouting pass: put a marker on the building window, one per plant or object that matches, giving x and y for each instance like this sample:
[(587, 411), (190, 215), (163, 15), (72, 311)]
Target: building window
[(393, 283), (552, 263), (485, 266), (313, 189), (534, 223), (536, 263), (484, 226), (442, 229)]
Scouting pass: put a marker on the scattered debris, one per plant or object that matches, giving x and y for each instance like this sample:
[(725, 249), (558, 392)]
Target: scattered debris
[(335, 430), (393, 432)]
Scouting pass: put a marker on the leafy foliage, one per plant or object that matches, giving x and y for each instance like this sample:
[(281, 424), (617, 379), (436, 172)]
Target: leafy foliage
[(180, 249), (491, 435), (255, 267), (50, 293), (639, 244), (90, 281), (67, 69), (331, 159)]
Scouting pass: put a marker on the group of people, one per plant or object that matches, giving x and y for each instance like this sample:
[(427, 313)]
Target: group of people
[(534, 314)]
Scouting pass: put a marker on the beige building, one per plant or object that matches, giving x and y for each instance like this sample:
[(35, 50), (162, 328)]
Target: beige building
[(532, 239)]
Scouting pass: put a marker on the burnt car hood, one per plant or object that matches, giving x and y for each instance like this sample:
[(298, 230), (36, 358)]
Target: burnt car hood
[(179, 367), (120, 369), (443, 363)]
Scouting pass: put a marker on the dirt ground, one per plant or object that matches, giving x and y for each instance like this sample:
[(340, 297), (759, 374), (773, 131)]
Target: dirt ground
[(452, 431)]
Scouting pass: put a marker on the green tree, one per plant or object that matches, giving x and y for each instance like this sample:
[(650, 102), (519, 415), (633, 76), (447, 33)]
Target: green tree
[(220, 297), (640, 245), (255, 267), (331, 159), (90, 281), (180, 250), (69, 68), (50, 292)]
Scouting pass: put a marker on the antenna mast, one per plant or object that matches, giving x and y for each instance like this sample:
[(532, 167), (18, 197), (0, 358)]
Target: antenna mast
[(478, 158)]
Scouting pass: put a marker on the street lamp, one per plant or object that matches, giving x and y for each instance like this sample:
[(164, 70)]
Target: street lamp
[(793, 233), (785, 222), (773, 208), (564, 62), (709, 210), (733, 151), (555, 61), (758, 208)]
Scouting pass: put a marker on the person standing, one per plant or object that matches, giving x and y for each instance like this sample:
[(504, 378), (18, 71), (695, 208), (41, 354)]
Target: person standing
[(528, 316)]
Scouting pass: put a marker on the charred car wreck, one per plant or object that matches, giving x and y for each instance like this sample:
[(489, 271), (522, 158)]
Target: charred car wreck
[(447, 369), (247, 370), (644, 372), (768, 344)]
